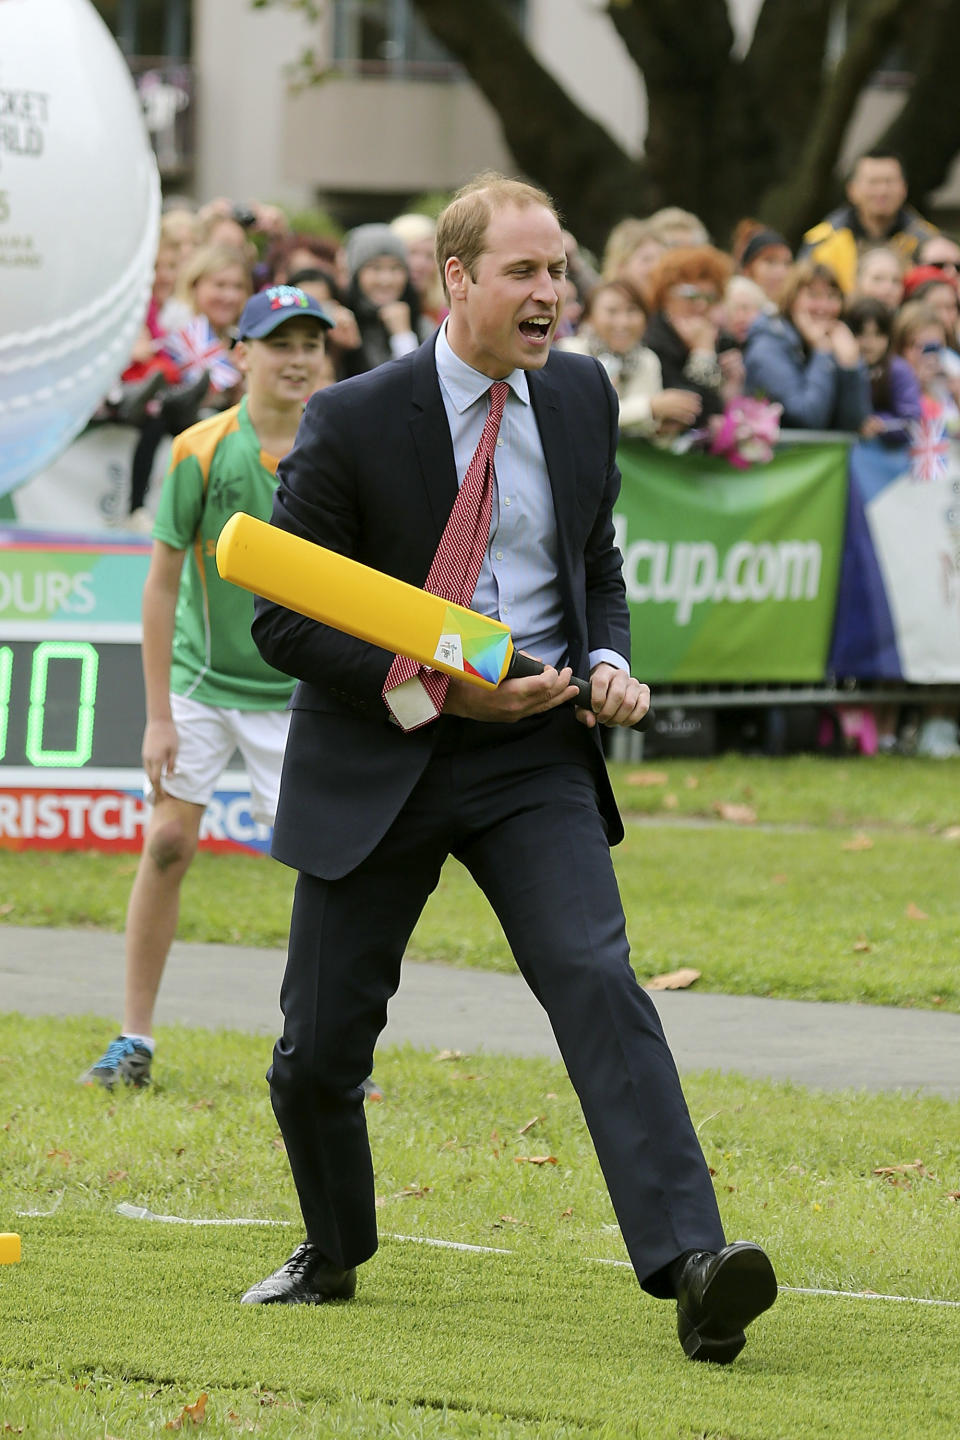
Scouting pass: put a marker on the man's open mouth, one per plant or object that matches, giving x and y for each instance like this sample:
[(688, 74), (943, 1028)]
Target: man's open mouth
[(537, 327)]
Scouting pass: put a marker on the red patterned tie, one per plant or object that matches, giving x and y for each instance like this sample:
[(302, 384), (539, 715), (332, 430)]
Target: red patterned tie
[(456, 565)]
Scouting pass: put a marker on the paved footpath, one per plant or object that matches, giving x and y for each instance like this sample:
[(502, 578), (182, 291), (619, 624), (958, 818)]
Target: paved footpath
[(77, 972)]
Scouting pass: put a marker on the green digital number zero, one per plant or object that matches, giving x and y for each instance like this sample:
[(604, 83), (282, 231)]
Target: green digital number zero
[(89, 664), (6, 677)]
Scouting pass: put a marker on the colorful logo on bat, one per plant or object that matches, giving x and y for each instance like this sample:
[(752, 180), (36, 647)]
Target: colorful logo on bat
[(469, 643)]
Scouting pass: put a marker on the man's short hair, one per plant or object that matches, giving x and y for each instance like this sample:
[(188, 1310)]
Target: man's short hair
[(879, 152), (462, 226)]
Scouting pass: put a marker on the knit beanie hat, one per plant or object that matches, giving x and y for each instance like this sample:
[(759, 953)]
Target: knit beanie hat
[(761, 240), (369, 242)]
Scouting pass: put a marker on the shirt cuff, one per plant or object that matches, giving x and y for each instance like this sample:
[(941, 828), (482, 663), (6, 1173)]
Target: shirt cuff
[(611, 657)]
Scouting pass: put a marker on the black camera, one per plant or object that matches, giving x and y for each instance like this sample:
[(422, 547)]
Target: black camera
[(244, 216)]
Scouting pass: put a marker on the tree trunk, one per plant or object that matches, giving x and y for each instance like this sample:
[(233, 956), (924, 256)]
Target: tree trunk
[(698, 115), (811, 189), (925, 132), (727, 137), (592, 179)]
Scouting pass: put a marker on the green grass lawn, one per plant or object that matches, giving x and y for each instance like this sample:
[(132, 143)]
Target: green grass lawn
[(110, 1327), (888, 792), (844, 887)]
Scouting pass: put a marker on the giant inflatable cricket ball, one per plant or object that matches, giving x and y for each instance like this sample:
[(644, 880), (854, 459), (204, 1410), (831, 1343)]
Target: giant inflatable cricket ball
[(79, 211)]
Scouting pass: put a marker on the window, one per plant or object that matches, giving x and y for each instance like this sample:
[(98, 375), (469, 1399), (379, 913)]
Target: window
[(149, 27), (154, 36), (387, 37)]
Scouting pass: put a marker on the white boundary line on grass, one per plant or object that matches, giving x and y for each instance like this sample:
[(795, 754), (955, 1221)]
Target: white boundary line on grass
[(447, 1244), (140, 1212), (870, 1295)]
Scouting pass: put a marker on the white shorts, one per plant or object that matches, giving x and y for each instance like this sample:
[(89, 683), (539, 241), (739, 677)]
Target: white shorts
[(208, 736)]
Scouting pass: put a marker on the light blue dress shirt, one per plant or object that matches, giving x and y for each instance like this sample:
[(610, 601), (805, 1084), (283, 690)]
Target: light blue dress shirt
[(518, 578)]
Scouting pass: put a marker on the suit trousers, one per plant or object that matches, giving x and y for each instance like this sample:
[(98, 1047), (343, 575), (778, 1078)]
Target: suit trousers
[(516, 804)]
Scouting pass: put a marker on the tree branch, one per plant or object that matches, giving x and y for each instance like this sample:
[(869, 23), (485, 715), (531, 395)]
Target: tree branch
[(925, 132), (693, 107), (784, 68), (794, 206), (550, 136), (672, 43)]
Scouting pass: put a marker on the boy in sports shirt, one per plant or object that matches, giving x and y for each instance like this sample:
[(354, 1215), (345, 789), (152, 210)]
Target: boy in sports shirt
[(207, 689)]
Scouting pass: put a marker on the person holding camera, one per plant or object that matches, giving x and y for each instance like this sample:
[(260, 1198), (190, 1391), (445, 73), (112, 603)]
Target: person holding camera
[(226, 222)]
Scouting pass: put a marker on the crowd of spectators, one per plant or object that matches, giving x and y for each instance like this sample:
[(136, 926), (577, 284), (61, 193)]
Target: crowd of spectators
[(857, 331)]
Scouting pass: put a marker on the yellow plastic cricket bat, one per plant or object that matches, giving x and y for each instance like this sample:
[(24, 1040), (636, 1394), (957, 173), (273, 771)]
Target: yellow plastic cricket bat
[(371, 606)]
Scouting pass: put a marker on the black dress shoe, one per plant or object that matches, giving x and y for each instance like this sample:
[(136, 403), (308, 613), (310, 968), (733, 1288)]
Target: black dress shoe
[(718, 1296), (307, 1278)]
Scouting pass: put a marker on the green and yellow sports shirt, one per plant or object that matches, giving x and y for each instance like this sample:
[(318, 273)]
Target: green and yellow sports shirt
[(217, 467)]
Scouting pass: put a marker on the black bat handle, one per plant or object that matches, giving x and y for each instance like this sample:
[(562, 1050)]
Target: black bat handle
[(522, 666)]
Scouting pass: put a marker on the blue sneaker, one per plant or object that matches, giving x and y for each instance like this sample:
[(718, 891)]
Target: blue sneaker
[(123, 1059)]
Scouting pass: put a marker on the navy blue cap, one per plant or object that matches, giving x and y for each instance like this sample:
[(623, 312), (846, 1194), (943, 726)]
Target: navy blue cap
[(266, 310)]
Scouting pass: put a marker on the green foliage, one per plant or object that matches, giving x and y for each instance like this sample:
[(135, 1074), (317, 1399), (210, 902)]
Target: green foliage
[(431, 203), (314, 221)]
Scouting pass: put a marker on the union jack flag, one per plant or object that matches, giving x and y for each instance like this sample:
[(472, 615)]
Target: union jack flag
[(929, 449), (198, 347)]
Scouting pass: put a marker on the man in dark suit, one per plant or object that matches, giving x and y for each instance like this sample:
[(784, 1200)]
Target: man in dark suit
[(378, 787)]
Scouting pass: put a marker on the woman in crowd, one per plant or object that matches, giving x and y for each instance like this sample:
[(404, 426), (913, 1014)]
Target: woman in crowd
[(938, 291), (805, 358), (686, 290), (676, 228), (919, 336), (150, 370), (180, 230), (418, 233), (894, 391), (762, 255), (214, 284), (382, 298), (631, 252), (611, 330), (880, 276)]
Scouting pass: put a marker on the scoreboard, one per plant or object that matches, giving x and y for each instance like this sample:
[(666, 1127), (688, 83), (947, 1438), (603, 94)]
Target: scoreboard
[(71, 700)]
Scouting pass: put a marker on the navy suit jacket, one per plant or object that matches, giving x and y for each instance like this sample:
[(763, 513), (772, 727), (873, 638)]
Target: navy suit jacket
[(372, 475)]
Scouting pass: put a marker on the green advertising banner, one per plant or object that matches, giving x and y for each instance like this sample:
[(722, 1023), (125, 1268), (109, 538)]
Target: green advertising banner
[(731, 575), (87, 586)]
